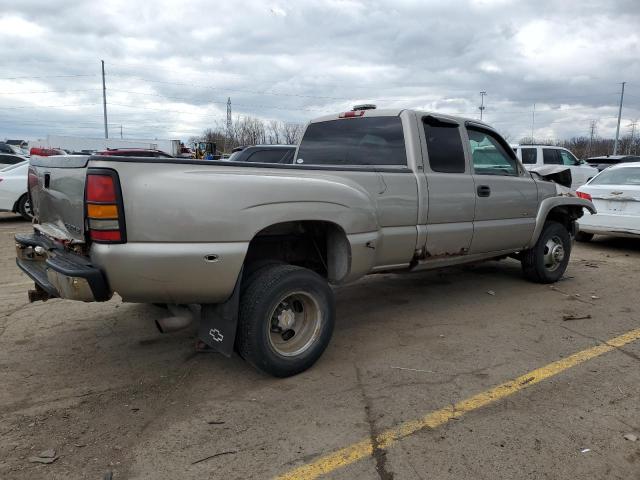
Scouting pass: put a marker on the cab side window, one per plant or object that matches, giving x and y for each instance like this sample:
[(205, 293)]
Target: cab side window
[(550, 156), (529, 156), (490, 156), (444, 146), (567, 158)]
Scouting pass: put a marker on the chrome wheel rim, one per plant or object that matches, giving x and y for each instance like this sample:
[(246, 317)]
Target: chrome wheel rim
[(27, 208), (294, 324), (554, 253)]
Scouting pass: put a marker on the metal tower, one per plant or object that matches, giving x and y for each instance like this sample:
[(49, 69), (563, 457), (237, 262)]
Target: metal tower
[(227, 138)]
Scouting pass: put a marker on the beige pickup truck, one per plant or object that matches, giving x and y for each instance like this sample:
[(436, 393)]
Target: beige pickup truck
[(252, 250)]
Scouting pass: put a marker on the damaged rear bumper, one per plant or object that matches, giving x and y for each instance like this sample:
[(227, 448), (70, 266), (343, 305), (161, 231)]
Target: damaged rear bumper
[(59, 273)]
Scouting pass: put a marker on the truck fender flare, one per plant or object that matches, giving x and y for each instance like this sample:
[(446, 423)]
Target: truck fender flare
[(548, 204)]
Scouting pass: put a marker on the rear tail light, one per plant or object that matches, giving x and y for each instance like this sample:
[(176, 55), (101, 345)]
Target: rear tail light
[(103, 206), (351, 114), (584, 196), (45, 152)]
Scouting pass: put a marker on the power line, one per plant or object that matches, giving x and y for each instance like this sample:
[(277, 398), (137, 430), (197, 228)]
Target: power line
[(50, 91), (35, 107), (48, 76)]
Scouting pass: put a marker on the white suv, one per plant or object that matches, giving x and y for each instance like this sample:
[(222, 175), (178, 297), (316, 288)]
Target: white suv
[(537, 155)]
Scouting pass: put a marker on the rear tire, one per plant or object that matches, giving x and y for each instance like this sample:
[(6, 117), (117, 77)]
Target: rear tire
[(287, 314), (584, 237), (547, 260), (24, 208)]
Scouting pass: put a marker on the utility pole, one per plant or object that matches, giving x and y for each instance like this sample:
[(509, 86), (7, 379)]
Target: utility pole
[(104, 102), (633, 135), (120, 131), (533, 122), (592, 134), (615, 145), (227, 137), (482, 107)]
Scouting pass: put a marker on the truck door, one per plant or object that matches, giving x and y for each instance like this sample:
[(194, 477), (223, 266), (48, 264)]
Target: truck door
[(506, 195), (450, 185)]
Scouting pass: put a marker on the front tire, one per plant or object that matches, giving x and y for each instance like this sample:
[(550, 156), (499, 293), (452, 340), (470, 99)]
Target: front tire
[(24, 208), (287, 314), (547, 260)]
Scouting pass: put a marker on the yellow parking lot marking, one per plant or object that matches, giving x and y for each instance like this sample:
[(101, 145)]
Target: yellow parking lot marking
[(357, 451)]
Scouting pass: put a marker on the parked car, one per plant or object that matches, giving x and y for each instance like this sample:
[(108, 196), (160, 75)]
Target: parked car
[(536, 155), (264, 154), (13, 190), (134, 152), (20, 147), (8, 159), (258, 245), (605, 161), (8, 149), (615, 193)]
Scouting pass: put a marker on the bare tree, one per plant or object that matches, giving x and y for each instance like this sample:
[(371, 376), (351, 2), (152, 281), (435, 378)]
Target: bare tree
[(274, 136), (292, 133), (247, 130)]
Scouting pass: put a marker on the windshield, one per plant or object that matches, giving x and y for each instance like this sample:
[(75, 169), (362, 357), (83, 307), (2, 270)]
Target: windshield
[(618, 176)]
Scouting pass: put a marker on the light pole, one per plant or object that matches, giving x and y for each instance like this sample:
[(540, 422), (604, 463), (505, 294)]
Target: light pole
[(482, 107), (615, 145), (104, 102)]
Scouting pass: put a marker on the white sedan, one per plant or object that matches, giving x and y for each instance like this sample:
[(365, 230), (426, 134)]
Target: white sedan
[(615, 192), (13, 190)]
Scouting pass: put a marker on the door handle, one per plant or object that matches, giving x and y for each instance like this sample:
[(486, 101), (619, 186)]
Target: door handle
[(484, 190)]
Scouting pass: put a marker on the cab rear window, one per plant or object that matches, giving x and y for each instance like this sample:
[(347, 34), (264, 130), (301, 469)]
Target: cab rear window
[(358, 141)]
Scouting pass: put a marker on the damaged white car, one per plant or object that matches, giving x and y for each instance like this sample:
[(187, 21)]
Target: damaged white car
[(615, 192)]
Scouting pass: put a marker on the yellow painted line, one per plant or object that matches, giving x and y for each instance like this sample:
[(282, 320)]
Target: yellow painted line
[(357, 451)]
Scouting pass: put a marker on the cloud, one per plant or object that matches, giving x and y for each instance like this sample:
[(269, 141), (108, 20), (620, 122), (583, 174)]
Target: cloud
[(171, 65)]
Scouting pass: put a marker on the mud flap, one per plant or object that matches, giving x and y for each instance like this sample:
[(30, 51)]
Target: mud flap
[(219, 321)]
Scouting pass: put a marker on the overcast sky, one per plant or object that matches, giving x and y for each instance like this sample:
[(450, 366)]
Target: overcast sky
[(170, 65)]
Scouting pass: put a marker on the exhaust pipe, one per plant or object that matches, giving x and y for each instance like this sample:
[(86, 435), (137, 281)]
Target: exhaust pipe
[(181, 318)]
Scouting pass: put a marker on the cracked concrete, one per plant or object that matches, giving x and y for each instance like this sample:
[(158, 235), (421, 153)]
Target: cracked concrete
[(98, 384)]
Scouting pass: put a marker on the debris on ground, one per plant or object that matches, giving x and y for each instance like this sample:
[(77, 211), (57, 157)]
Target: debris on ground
[(569, 317), (230, 452), (631, 437), (491, 292), (215, 422), (595, 297), (585, 450), (47, 456)]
